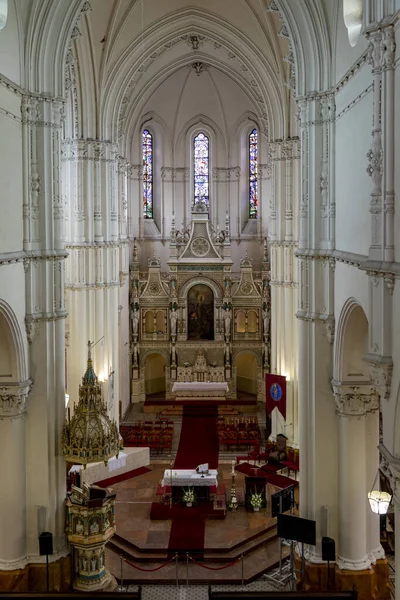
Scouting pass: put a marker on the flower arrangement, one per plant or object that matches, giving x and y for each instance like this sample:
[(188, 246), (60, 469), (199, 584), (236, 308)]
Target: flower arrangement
[(256, 500), (188, 495)]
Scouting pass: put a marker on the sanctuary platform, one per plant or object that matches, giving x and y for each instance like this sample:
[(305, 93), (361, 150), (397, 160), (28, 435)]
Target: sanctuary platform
[(145, 542)]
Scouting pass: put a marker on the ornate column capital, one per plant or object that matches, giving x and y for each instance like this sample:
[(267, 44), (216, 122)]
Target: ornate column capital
[(13, 399), (355, 400), (380, 370)]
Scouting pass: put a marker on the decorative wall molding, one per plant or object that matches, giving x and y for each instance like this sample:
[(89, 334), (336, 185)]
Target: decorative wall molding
[(13, 399), (175, 174), (354, 102), (89, 150), (288, 149), (380, 370), (265, 171), (8, 258), (221, 174), (354, 400), (33, 321), (329, 327), (350, 73)]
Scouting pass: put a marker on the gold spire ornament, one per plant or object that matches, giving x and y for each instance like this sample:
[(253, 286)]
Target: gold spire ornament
[(90, 436)]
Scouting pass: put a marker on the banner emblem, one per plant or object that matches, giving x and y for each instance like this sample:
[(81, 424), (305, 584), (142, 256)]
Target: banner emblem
[(276, 392)]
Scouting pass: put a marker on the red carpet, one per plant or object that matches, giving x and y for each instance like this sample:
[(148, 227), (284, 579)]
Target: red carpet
[(198, 444), (199, 438), (187, 532), (122, 477), (202, 510), (279, 481)]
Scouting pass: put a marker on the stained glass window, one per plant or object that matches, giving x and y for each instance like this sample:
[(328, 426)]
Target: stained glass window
[(201, 155), (147, 155), (253, 174)]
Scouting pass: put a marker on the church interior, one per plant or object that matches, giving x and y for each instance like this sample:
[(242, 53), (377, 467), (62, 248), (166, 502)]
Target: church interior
[(199, 249)]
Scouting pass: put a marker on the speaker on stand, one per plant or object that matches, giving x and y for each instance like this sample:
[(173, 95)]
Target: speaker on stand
[(328, 553), (46, 547)]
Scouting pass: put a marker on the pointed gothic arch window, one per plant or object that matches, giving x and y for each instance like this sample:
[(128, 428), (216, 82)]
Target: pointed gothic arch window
[(201, 154), (147, 158), (253, 174)]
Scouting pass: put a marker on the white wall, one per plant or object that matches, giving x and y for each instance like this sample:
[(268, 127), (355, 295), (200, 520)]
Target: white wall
[(10, 44), (344, 54), (352, 183), (10, 171)]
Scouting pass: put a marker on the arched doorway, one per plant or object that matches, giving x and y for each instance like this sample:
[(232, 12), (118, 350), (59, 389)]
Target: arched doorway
[(154, 374), (357, 407), (246, 374)]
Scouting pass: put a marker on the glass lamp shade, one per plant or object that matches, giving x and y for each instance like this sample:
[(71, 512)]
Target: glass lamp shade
[(379, 502)]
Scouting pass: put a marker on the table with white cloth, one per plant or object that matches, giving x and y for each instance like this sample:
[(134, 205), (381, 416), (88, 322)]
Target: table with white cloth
[(200, 390), (184, 478)]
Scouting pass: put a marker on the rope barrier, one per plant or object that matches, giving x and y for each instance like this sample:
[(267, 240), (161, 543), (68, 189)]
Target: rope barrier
[(215, 568), (149, 570)]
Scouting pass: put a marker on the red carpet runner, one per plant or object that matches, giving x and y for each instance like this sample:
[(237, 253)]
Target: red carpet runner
[(198, 444), (199, 438)]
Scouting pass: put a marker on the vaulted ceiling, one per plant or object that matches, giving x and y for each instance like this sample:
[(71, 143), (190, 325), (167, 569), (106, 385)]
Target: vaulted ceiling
[(127, 56)]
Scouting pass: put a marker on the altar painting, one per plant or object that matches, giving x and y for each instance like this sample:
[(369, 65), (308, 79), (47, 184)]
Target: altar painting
[(200, 313)]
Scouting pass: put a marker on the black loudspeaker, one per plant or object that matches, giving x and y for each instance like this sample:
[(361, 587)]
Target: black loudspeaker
[(46, 543), (328, 549)]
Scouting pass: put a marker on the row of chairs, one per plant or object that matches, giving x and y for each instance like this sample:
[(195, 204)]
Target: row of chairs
[(238, 432), (155, 438)]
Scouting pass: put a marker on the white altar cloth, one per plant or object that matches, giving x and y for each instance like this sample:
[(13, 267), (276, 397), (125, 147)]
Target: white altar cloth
[(200, 386), (189, 477)]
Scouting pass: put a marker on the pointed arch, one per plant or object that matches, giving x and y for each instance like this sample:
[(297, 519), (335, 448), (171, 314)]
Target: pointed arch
[(12, 348), (351, 344)]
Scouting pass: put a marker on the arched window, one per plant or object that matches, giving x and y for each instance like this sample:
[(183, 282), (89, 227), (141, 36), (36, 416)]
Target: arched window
[(3, 13), (253, 174), (201, 168), (147, 157)]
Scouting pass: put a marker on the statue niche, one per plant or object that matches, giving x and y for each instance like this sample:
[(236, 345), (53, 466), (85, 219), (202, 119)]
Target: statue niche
[(200, 304)]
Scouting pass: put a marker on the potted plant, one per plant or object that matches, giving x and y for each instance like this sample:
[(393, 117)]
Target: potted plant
[(256, 501), (188, 496)]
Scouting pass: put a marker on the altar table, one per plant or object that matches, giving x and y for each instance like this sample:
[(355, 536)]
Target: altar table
[(189, 478), (197, 390)]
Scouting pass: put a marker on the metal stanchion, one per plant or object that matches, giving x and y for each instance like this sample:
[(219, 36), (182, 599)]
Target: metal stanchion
[(176, 564), (187, 569), (122, 566), (242, 571)]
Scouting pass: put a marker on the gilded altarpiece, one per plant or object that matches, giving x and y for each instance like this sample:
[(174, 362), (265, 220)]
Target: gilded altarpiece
[(202, 308)]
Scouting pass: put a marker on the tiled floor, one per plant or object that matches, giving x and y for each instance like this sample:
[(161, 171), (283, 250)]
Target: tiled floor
[(133, 503), (274, 582)]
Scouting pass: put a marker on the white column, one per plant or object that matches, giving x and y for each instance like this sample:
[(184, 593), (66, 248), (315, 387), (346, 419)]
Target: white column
[(45, 320), (95, 260), (353, 403), (13, 400)]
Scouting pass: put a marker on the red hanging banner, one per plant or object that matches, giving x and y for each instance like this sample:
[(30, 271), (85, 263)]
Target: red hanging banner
[(275, 393)]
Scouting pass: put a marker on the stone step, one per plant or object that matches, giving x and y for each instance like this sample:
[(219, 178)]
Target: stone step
[(224, 555), (253, 565)]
